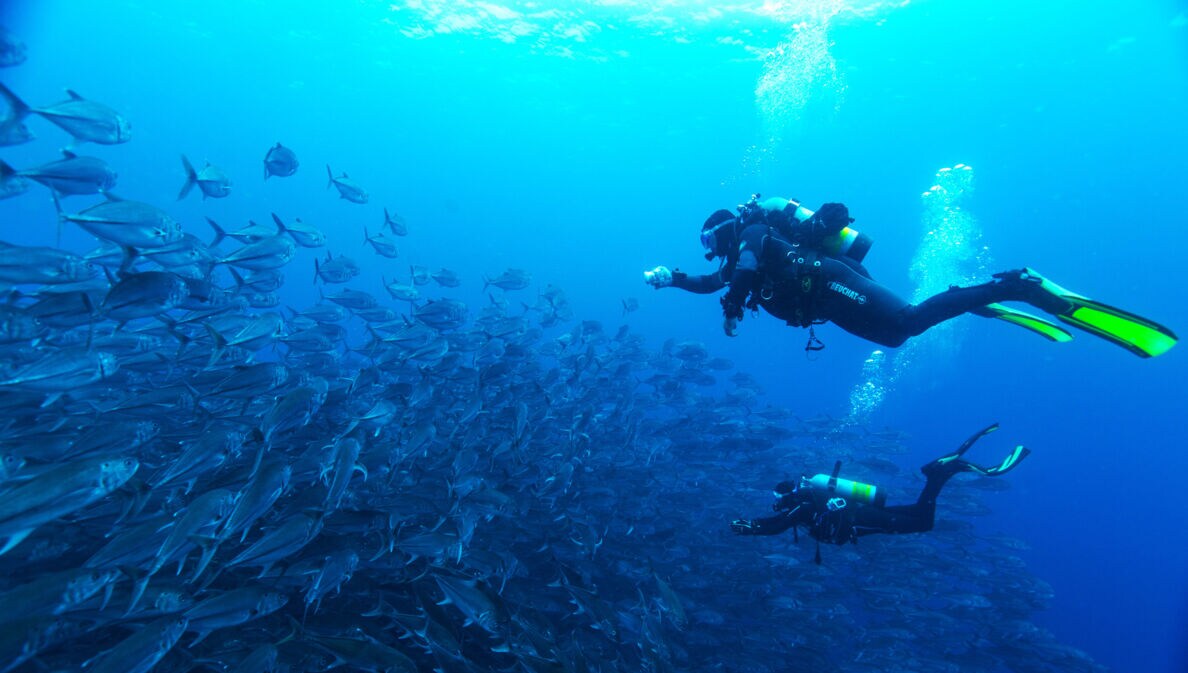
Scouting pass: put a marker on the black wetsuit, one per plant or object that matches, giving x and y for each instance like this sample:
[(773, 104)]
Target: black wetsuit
[(809, 509), (801, 286)]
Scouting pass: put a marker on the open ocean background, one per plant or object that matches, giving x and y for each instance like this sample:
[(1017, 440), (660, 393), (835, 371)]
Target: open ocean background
[(586, 142)]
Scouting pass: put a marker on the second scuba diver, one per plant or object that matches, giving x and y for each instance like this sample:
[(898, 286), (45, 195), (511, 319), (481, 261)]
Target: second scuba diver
[(805, 268), (840, 511)]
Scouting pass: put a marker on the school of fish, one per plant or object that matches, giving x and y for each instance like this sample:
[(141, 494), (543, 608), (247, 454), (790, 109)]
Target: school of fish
[(195, 477)]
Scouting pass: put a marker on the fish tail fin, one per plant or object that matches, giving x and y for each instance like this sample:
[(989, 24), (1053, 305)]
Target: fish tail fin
[(317, 270), (238, 279), (182, 341), (220, 345), (138, 587), (191, 178), (297, 631), (280, 226), (329, 177), (6, 171), (209, 545), (219, 233), (486, 283), (130, 255), (20, 109), (15, 539), (366, 236)]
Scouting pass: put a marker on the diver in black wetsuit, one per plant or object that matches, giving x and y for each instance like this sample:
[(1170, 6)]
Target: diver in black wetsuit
[(840, 511), (805, 268)]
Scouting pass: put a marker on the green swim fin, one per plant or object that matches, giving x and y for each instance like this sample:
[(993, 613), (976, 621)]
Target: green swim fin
[(946, 463), (1048, 330), (1007, 465), (1145, 338), (954, 463)]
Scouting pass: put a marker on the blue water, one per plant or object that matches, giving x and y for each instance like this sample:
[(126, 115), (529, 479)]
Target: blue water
[(589, 144)]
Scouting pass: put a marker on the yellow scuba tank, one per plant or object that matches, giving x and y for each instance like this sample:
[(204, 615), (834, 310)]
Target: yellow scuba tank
[(845, 243), (853, 491)]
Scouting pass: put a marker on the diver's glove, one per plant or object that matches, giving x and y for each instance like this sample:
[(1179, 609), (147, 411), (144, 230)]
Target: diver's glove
[(658, 277), (732, 312), (730, 325), (829, 219), (743, 527)]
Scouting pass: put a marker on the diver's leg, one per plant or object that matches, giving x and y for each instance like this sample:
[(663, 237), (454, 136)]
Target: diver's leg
[(864, 308), (915, 518), (919, 517), (1019, 285), (953, 302), (859, 305)]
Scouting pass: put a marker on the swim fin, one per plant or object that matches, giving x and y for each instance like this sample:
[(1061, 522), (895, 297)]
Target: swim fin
[(1049, 330), (953, 463), (943, 463), (1007, 465), (1145, 338)]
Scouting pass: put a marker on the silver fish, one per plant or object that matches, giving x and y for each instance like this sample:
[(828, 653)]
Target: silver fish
[(73, 174), (63, 370), (280, 542), (304, 235), (476, 601), (59, 491), (128, 223), (512, 279), (442, 314), (12, 183), (280, 161), (185, 252), (211, 181), (43, 266), (84, 119), (63, 310), (142, 295), (353, 299), (269, 253), (402, 292), (54, 594), (249, 234), (254, 501), (336, 570), (384, 246), (347, 188), (141, 651), (396, 223), (233, 608), (420, 274), (336, 269), (14, 132), (446, 277), (12, 50), (17, 326)]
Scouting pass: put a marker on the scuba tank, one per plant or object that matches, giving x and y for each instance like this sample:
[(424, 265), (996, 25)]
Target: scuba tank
[(832, 487), (846, 242)]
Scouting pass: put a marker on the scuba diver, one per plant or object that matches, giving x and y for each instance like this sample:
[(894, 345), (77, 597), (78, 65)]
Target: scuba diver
[(805, 268), (840, 511)]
